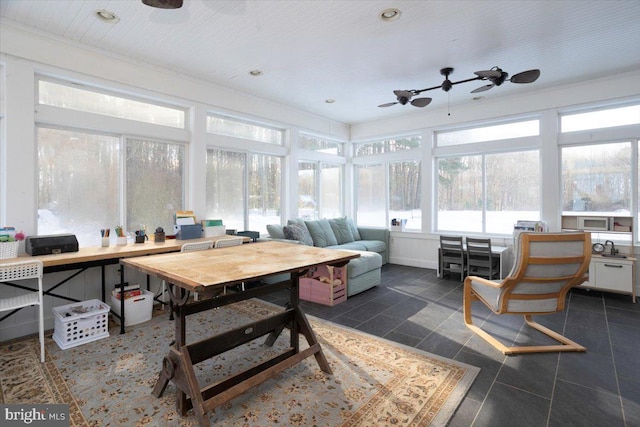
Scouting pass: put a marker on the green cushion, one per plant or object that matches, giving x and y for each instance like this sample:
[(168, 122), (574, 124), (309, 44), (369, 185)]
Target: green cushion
[(341, 230), (354, 230), (275, 231), (321, 233)]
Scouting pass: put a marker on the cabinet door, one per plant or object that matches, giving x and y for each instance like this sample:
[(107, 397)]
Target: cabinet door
[(613, 275)]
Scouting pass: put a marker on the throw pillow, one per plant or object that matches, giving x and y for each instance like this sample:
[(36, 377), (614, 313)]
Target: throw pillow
[(275, 231), (298, 232), (354, 229), (321, 233), (341, 230)]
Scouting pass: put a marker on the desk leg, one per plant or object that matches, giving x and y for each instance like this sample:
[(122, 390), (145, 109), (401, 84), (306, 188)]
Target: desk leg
[(122, 314)]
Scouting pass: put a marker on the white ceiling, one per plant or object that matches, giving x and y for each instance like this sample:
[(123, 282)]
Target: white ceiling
[(312, 50)]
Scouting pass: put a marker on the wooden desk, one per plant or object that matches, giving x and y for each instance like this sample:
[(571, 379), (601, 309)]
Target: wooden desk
[(98, 256), (207, 273)]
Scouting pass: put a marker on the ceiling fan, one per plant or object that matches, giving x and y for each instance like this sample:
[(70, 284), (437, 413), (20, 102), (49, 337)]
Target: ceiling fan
[(495, 76)]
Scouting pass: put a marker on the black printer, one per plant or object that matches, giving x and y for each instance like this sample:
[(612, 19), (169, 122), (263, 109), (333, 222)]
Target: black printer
[(53, 244)]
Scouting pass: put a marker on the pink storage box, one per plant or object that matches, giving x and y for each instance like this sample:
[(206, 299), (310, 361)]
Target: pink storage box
[(324, 285)]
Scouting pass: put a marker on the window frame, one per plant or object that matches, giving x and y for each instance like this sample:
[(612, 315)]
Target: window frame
[(483, 148)]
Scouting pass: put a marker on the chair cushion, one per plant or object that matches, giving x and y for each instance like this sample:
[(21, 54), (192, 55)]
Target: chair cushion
[(298, 232), (321, 233), (276, 231), (341, 230)]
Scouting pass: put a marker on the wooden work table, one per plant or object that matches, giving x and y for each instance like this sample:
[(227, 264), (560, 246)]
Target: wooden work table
[(208, 273)]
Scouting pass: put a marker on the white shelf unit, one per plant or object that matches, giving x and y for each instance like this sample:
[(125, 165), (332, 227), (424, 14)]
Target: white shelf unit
[(608, 274)]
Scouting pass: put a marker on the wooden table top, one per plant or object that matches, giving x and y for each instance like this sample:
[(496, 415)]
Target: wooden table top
[(98, 253), (197, 270)]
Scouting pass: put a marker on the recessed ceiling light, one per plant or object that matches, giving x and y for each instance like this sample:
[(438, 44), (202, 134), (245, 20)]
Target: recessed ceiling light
[(255, 73), (390, 14), (106, 16), (478, 98), (330, 101)]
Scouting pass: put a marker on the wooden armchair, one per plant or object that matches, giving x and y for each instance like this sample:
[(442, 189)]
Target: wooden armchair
[(546, 266)]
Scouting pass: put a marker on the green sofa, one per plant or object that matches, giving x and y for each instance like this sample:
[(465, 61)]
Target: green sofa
[(341, 233)]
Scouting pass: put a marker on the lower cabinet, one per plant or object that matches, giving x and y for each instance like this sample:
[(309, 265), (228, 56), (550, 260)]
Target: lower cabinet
[(612, 275)]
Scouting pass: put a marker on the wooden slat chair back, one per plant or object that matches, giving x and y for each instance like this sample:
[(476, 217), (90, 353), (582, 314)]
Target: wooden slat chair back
[(547, 266), (452, 258)]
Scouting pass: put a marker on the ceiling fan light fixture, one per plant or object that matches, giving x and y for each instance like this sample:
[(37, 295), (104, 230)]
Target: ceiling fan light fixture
[(390, 14), (164, 4), (106, 16)]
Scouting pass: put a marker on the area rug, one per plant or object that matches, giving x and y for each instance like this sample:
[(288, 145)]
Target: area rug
[(108, 382)]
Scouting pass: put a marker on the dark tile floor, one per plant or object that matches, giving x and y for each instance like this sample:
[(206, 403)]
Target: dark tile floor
[(598, 388)]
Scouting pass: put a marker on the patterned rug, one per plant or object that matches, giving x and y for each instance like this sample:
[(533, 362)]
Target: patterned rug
[(108, 382)]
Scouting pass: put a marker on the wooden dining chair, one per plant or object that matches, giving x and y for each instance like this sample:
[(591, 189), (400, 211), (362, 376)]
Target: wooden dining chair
[(547, 266), (452, 258), (25, 270), (480, 259)]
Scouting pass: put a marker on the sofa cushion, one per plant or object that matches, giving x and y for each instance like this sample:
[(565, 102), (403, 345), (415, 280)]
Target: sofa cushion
[(298, 232), (354, 230), (275, 231), (321, 233), (341, 230), (374, 245), (366, 262), (351, 246)]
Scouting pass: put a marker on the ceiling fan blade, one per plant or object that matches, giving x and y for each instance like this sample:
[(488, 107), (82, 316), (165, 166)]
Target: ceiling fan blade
[(488, 74), (403, 93), (482, 88), (164, 4), (421, 102), (388, 104), (529, 76)]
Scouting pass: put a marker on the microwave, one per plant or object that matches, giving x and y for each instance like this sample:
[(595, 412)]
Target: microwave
[(594, 223)]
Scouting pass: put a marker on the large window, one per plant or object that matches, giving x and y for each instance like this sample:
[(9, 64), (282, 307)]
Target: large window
[(319, 190), (597, 178), (244, 190), (108, 104), (389, 191), (371, 203), (489, 133), (81, 190), (388, 182), (600, 119), (322, 145), (387, 146), (488, 193), (228, 126)]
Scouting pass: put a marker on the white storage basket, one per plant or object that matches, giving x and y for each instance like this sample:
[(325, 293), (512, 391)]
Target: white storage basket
[(137, 309), (73, 328), (9, 249)]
